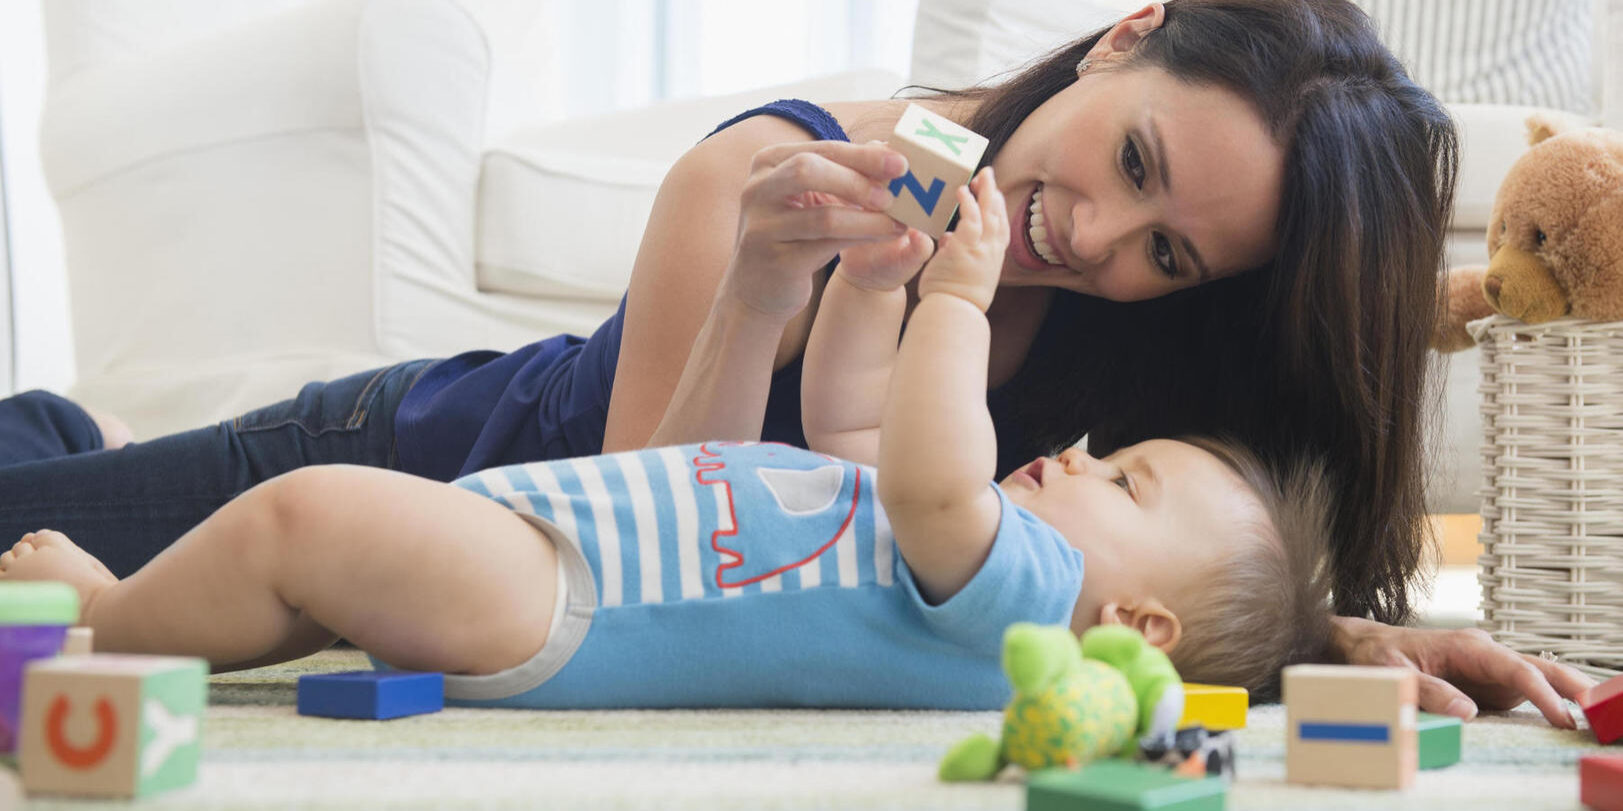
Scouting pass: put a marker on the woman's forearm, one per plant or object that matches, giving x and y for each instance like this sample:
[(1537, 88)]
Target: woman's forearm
[(723, 389)]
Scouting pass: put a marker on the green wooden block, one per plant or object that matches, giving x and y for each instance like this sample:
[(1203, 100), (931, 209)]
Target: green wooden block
[(1120, 785), (1440, 737)]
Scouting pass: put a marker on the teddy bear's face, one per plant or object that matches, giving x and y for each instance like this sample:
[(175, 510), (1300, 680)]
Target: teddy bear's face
[(1556, 239)]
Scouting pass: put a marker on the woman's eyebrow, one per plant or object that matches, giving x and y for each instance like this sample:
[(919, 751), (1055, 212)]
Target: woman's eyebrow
[(1166, 183)]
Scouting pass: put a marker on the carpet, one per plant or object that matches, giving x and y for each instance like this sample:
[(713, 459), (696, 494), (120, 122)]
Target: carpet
[(260, 754)]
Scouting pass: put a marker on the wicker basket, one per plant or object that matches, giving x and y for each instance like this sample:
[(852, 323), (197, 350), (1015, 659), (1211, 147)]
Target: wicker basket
[(1552, 501)]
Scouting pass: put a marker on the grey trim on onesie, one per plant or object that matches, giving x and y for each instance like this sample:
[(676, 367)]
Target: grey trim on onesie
[(571, 617)]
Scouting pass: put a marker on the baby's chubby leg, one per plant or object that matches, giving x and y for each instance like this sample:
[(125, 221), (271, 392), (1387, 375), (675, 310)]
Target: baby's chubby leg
[(423, 575)]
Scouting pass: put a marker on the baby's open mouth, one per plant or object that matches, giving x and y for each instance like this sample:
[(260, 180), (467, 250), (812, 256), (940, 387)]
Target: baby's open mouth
[(1035, 471)]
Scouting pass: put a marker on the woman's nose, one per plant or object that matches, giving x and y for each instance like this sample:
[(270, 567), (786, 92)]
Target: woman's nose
[(1091, 227)]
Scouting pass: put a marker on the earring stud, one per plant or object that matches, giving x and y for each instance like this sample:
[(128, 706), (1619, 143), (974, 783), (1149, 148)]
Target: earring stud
[(1082, 67)]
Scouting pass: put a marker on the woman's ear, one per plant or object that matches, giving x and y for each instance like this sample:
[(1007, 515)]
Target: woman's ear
[(1151, 618), (1127, 33)]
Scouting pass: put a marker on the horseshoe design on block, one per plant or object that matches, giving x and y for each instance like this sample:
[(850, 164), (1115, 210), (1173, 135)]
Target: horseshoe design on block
[(80, 757)]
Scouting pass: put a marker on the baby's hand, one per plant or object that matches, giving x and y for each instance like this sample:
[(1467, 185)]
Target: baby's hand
[(887, 265), (969, 260)]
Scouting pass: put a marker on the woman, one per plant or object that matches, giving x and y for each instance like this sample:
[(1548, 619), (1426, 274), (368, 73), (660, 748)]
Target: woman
[(1228, 218)]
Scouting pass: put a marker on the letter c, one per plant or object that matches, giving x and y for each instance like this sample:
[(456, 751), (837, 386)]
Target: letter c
[(81, 757)]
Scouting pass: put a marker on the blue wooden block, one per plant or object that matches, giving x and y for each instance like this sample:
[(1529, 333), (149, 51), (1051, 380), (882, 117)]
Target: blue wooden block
[(373, 694)]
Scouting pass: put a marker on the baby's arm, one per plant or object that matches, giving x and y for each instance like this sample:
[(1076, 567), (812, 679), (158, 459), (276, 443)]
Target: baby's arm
[(852, 347), (938, 449)]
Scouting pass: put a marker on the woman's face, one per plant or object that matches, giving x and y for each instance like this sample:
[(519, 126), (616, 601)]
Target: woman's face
[(1131, 184)]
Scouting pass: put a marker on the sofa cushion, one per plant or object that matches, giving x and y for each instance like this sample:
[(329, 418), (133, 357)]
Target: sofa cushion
[(561, 206)]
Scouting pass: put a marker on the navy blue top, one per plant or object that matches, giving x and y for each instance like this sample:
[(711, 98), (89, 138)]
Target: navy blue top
[(550, 399)]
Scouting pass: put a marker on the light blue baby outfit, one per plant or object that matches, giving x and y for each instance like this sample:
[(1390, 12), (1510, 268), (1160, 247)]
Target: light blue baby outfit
[(757, 575)]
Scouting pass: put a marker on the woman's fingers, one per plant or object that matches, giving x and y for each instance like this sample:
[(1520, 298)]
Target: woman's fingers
[(858, 175), (1569, 681), (830, 223), (1531, 677), (1437, 695)]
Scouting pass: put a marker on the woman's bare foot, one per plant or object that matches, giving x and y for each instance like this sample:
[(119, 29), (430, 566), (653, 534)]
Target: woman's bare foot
[(49, 555), (114, 433)]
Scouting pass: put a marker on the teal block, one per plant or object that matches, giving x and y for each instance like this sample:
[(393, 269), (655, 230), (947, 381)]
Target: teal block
[(1440, 740), (1120, 785)]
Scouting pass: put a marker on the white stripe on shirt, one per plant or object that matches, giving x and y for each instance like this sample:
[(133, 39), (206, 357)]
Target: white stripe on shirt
[(608, 535), (642, 507), (687, 521)]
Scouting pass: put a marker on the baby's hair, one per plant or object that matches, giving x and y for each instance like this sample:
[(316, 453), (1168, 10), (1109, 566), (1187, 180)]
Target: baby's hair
[(1268, 606)]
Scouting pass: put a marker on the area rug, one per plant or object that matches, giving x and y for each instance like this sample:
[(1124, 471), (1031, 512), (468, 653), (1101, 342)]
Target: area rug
[(261, 754)]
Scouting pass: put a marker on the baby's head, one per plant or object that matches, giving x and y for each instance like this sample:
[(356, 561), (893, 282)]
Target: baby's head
[(1215, 558)]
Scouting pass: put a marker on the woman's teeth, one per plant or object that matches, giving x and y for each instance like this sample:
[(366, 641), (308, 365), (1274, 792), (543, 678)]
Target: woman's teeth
[(1039, 231)]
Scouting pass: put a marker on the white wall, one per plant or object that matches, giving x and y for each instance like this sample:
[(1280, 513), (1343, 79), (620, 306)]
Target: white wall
[(43, 333)]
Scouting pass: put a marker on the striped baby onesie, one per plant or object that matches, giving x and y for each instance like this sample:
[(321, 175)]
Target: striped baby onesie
[(757, 575)]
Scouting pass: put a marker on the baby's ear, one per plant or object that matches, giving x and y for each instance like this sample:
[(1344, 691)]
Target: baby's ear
[(1151, 618)]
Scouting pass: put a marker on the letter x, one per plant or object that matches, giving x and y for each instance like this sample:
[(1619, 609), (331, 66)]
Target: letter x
[(930, 131)]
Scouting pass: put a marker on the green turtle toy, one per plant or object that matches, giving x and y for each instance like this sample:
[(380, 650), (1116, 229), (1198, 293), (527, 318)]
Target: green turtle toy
[(1074, 701)]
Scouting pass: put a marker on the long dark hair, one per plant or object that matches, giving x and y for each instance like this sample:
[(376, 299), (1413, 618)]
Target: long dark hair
[(1322, 351)]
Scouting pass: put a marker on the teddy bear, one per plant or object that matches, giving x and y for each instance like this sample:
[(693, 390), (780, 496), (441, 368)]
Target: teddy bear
[(1555, 239), (1075, 700)]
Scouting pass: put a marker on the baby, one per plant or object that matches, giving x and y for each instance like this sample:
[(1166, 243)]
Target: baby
[(745, 574)]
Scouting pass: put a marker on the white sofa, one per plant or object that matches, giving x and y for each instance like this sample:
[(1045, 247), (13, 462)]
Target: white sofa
[(257, 193)]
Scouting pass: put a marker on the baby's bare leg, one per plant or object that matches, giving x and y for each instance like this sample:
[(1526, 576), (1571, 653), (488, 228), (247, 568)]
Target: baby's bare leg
[(421, 574)]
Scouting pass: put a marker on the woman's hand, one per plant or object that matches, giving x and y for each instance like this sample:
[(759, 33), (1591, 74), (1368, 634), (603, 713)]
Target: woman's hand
[(802, 205), (1462, 669)]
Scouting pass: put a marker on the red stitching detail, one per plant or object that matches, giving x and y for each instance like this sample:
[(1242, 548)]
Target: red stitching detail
[(731, 558)]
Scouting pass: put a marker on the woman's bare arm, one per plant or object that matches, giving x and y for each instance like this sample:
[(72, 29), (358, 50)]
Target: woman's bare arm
[(726, 268)]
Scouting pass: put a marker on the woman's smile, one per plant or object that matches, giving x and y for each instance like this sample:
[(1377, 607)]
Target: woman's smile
[(1034, 249)]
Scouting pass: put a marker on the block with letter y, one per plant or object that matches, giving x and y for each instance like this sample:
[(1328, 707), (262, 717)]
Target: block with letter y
[(941, 156), (112, 725)]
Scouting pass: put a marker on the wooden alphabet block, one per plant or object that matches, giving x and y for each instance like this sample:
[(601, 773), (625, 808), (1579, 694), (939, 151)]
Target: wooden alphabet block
[(1121, 785), (1439, 738), (1603, 707), (1350, 726), (941, 156), (112, 725), (1214, 707), (372, 694), (1600, 782), (78, 642)]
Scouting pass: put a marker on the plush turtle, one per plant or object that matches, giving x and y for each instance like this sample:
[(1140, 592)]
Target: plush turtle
[(1074, 701)]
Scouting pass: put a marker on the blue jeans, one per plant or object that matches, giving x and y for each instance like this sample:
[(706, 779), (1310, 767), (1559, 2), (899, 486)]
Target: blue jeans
[(126, 506)]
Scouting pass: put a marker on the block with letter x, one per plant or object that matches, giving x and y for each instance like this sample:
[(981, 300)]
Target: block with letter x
[(941, 156)]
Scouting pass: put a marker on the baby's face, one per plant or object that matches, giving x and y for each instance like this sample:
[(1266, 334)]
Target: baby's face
[(1150, 519)]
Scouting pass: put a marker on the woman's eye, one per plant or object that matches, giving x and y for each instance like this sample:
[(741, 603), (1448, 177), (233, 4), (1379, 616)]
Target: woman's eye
[(1124, 483), (1133, 163), (1165, 259)]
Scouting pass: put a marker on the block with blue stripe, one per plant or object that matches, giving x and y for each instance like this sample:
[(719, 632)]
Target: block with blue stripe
[(1350, 726), (371, 694)]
